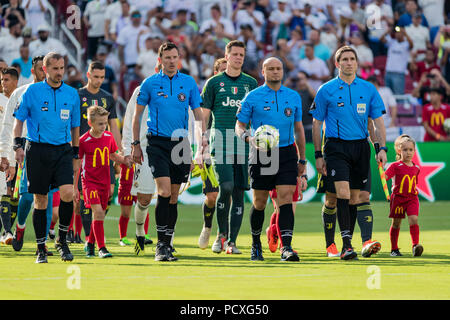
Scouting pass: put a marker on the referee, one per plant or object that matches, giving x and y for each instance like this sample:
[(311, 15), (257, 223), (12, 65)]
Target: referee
[(51, 109), (169, 94), (276, 105), (345, 104)]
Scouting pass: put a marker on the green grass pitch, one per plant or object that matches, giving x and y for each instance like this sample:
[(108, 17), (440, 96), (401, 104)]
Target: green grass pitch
[(204, 275)]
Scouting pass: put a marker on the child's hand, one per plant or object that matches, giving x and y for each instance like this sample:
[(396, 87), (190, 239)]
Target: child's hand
[(76, 194)]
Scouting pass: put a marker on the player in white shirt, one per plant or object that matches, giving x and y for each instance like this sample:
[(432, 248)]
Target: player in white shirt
[(143, 182)]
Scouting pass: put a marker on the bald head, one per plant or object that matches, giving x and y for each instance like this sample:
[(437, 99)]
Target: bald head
[(272, 70)]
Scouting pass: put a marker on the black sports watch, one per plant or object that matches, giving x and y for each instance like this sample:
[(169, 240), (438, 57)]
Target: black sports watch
[(135, 142), (384, 148), (303, 162), (19, 142)]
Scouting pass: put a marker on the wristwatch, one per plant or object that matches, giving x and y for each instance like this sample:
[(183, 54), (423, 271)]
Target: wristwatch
[(303, 162), (318, 154), (384, 148), (135, 142)]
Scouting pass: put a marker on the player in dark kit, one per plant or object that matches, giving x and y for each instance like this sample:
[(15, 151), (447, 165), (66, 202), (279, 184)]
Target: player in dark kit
[(52, 112), (345, 104), (93, 95)]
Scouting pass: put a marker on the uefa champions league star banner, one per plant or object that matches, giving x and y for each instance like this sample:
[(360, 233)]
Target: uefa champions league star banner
[(432, 185)]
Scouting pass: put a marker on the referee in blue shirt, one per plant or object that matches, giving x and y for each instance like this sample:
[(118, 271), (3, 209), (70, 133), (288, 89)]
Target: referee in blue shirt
[(345, 103), (169, 94), (51, 109), (276, 105)]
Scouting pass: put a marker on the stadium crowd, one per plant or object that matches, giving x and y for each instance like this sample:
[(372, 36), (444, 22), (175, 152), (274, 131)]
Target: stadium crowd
[(399, 42)]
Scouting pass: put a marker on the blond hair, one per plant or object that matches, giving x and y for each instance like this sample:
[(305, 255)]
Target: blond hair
[(96, 111), (399, 142)]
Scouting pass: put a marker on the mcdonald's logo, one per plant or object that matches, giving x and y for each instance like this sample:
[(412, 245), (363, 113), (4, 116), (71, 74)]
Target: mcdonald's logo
[(93, 194), (411, 184), (399, 211), (104, 156), (437, 119)]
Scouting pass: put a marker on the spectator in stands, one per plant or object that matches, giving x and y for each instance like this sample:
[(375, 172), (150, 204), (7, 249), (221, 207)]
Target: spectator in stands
[(329, 37), (282, 52), (435, 80), (253, 50), (358, 15), (420, 36), (390, 103), (320, 50), (25, 64), (425, 66), (379, 17), (13, 13), (219, 37), (45, 44), (10, 44), (94, 20), (399, 9), (110, 82), (216, 18), (172, 7), (442, 40), (186, 27), (123, 20), (147, 8), (159, 24), (27, 36), (128, 55), (398, 56), (280, 18), (176, 37), (433, 116), (295, 43), (209, 55), (406, 18), (312, 20), (245, 13), (433, 11), (365, 56), (35, 13), (148, 57), (315, 67), (204, 9), (112, 13)]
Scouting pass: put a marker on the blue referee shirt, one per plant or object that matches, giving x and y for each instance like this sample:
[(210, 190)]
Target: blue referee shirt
[(280, 109), (345, 108), (50, 113), (168, 101)]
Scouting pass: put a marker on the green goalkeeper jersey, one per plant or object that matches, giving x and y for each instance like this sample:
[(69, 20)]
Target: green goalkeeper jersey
[(222, 95)]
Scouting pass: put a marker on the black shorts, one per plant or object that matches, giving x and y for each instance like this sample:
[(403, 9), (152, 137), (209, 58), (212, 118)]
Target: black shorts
[(347, 161), (326, 185), (267, 176), (165, 163), (112, 173), (48, 166), (208, 187)]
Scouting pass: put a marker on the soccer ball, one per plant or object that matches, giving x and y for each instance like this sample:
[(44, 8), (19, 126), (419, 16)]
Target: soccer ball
[(266, 137), (447, 125)]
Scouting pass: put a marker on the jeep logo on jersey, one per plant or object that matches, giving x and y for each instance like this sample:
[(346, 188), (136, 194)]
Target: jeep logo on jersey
[(231, 103), (234, 90), (181, 97)]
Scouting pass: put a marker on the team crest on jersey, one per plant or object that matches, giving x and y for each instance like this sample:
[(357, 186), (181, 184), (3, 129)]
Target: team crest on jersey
[(105, 105), (182, 97), (288, 112), (234, 90), (247, 89)]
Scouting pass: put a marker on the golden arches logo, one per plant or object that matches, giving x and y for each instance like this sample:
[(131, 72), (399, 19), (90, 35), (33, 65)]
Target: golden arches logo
[(104, 156), (411, 184), (437, 119), (93, 194), (399, 211)]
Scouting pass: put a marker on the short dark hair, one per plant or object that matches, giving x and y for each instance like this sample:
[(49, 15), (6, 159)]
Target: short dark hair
[(51, 55), (96, 65), (234, 43), (11, 71), (36, 59), (167, 46), (343, 49)]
